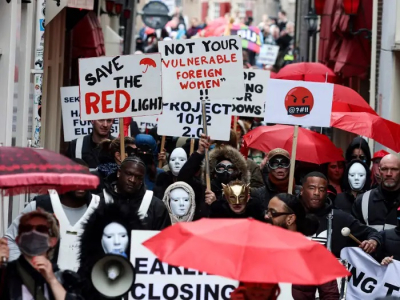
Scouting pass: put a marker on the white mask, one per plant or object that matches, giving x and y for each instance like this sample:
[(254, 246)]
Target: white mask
[(115, 238), (357, 176), (180, 202), (177, 160)]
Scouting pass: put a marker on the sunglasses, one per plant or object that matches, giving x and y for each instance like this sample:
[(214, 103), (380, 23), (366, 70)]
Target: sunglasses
[(221, 168), (129, 151), (275, 214), (361, 157), (38, 228)]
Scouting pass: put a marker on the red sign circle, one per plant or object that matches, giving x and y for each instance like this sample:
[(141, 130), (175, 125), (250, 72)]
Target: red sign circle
[(299, 102)]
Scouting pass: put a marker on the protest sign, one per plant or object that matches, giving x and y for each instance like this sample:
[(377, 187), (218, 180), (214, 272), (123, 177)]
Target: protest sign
[(268, 55), (120, 86), (157, 280), (72, 124), (253, 101), (185, 119), (146, 123), (202, 69), (369, 279), (298, 103)]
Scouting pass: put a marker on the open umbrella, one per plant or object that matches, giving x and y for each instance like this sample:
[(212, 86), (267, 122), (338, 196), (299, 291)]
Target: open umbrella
[(372, 126), (30, 170), (316, 72), (312, 147), (346, 99), (246, 250)]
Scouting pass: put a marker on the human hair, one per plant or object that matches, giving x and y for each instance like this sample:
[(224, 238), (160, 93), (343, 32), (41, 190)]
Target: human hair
[(275, 290), (51, 220), (133, 159), (113, 146), (315, 174), (283, 12), (307, 224)]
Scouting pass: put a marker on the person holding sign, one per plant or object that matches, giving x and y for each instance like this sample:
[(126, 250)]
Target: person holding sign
[(86, 147), (127, 186)]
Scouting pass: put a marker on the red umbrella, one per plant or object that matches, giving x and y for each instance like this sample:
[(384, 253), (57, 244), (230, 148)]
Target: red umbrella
[(346, 99), (148, 62), (312, 147), (372, 126), (246, 250), (316, 72), (30, 170)]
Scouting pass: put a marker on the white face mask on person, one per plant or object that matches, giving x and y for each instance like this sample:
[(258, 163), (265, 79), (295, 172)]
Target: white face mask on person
[(357, 176), (34, 243)]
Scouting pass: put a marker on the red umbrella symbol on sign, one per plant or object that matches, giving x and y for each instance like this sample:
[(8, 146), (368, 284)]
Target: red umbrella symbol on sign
[(148, 62)]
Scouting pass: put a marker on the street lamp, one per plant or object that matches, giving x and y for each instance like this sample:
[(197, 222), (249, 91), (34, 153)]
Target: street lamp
[(312, 25)]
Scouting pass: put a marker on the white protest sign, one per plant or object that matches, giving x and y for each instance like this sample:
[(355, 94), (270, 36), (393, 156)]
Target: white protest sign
[(268, 54), (156, 280), (369, 279), (146, 123), (72, 124), (252, 104), (185, 119), (202, 69), (120, 86), (298, 103)]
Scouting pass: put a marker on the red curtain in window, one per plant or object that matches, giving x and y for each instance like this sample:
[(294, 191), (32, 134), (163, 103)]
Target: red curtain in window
[(204, 10), (224, 8)]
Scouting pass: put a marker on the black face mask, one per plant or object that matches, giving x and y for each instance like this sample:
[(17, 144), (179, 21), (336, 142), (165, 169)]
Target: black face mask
[(224, 177), (146, 154)]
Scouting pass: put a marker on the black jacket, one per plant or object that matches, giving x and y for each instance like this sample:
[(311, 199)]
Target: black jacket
[(390, 244), (382, 207), (266, 193), (11, 288), (90, 151), (163, 181), (157, 217), (341, 219), (345, 202)]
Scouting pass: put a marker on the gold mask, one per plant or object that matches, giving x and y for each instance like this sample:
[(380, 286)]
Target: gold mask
[(236, 192)]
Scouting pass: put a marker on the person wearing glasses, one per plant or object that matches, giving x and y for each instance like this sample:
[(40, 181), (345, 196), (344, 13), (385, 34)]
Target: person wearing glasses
[(32, 275), (278, 164), (377, 208), (359, 149)]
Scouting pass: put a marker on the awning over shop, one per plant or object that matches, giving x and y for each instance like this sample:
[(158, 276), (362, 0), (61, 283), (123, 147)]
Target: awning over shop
[(53, 7)]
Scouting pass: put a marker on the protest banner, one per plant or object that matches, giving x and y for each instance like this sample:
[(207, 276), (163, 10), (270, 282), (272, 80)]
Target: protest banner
[(157, 280), (146, 123), (369, 279), (298, 103), (253, 101), (72, 124), (185, 119), (268, 55), (202, 69), (120, 86)]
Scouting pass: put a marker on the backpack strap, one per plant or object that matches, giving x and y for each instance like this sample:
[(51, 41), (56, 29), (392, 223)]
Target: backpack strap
[(365, 205), (144, 206)]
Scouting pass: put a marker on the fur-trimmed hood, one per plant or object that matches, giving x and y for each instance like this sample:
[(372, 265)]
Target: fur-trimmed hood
[(227, 153), (167, 201)]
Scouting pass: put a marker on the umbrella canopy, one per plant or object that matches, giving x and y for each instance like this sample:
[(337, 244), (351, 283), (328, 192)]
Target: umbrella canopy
[(372, 126), (30, 170), (316, 72), (312, 147), (346, 99), (246, 250)]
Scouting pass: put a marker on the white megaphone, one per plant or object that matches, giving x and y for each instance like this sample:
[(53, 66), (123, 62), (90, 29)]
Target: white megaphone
[(113, 276)]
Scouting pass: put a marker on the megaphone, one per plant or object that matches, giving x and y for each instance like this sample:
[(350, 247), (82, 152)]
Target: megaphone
[(113, 276)]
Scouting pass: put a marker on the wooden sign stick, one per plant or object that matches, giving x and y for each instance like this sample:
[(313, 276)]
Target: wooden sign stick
[(293, 159), (160, 162), (121, 139), (191, 146), (207, 159)]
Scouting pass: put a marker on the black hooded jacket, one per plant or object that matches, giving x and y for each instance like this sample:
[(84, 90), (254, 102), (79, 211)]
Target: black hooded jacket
[(157, 217), (91, 249), (359, 142), (345, 200), (390, 244), (341, 219)]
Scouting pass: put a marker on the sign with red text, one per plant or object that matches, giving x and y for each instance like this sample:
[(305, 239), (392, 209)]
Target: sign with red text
[(72, 125), (120, 86), (185, 119), (202, 69), (253, 101), (298, 103)]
